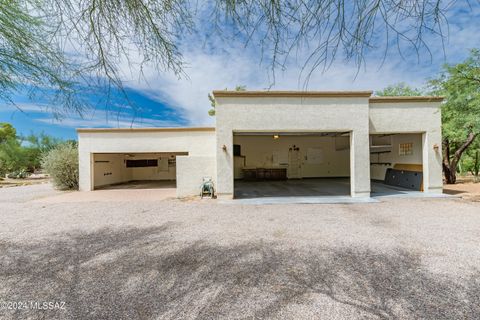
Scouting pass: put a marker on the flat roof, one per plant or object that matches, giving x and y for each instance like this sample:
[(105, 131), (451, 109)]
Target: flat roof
[(291, 94), (325, 94), (172, 129), (389, 99)]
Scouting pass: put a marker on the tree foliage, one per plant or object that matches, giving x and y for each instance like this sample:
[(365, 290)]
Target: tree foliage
[(460, 84), (58, 45), (12, 157), (22, 154), (399, 89), (330, 28), (7, 131), (31, 58), (470, 162)]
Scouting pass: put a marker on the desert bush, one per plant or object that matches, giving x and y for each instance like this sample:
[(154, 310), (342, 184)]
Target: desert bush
[(20, 174), (61, 163)]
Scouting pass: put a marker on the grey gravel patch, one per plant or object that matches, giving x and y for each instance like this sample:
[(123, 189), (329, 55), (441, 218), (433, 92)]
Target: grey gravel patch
[(27, 193)]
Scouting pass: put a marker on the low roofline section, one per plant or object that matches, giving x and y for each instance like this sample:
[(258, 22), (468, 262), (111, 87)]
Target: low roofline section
[(324, 94), (173, 129), (390, 99)]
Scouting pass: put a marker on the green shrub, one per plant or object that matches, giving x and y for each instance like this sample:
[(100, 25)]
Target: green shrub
[(61, 163), (20, 174)]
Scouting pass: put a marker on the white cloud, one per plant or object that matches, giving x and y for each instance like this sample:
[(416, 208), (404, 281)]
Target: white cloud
[(218, 64), (113, 123), (26, 107), (96, 118), (228, 68), (102, 118)]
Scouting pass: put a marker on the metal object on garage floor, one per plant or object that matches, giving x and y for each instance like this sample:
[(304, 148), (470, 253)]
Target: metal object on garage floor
[(406, 179)]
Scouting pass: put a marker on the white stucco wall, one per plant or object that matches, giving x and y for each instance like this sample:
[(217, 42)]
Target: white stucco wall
[(110, 168), (110, 172), (153, 173), (378, 171), (414, 117), (259, 150), (301, 114), (197, 142), (191, 171)]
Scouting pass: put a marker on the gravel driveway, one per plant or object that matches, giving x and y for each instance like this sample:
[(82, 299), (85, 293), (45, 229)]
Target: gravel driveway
[(172, 259)]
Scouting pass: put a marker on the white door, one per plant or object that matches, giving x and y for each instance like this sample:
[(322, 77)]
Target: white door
[(294, 164)]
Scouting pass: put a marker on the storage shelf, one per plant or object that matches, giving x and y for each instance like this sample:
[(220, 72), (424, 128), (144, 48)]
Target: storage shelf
[(381, 163), (379, 152), (381, 146)]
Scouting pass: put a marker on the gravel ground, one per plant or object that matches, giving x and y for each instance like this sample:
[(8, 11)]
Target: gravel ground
[(172, 259), (27, 193)]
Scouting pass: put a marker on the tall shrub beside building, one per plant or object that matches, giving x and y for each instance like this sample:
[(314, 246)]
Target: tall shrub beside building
[(62, 165)]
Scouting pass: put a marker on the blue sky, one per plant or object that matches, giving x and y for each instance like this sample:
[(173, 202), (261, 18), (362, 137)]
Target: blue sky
[(36, 116), (162, 99)]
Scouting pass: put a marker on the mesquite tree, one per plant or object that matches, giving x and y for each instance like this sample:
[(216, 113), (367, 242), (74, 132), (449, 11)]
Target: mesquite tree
[(399, 89), (59, 46), (460, 84)]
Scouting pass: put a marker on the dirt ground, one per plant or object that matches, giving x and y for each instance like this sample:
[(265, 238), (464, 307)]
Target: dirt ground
[(465, 188), (33, 179)]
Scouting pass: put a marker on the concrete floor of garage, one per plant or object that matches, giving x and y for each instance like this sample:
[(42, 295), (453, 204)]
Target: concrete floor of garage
[(318, 190), (141, 184), (321, 187)]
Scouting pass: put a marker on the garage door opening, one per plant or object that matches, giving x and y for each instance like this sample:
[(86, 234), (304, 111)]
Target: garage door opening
[(135, 170), (291, 164), (396, 163)]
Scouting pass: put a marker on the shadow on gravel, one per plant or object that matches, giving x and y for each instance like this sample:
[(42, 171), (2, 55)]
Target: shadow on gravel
[(142, 273)]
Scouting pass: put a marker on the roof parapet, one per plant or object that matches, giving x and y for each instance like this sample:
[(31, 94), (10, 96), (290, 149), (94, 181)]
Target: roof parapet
[(292, 94), (172, 129), (388, 99)]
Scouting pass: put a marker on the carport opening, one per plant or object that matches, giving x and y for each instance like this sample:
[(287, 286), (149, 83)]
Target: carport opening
[(135, 170), (291, 164), (396, 163)]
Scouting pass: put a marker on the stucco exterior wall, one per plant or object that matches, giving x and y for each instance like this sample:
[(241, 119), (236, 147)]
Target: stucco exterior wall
[(110, 168), (190, 173), (301, 114), (414, 117), (111, 172), (195, 142), (378, 171)]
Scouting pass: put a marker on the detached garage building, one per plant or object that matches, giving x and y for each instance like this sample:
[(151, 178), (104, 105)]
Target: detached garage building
[(274, 143)]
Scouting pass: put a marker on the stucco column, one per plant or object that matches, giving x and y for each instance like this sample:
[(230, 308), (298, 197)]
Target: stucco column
[(85, 173), (359, 164), (432, 162), (224, 163)]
